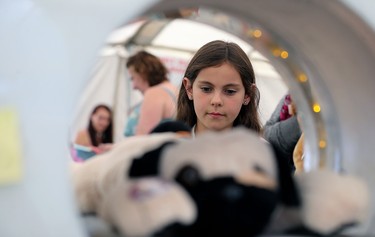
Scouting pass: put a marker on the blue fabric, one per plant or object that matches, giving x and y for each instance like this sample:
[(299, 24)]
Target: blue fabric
[(81, 153), (132, 122)]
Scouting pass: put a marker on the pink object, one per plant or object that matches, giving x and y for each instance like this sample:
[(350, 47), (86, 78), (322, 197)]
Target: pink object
[(284, 112), (74, 154)]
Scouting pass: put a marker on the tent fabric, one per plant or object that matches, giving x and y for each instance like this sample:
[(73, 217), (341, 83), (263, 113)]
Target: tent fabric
[(175, 44), (108, 85)]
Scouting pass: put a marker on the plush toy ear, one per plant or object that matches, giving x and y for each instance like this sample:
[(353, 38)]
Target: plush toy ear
[(332, 202), (148, 207), (171, 126), (148, 163)]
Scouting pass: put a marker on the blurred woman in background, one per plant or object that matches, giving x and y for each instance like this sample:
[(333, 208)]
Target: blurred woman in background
[(149, 76), (98, 135)]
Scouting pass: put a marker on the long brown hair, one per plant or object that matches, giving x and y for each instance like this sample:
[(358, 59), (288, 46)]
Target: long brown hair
[(212, 54)]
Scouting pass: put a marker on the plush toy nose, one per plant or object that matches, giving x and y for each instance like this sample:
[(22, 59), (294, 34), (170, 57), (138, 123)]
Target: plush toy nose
[(232, 193), (226, 208)]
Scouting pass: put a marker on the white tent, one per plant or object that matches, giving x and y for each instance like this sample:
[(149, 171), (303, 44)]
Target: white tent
[(174, 41)]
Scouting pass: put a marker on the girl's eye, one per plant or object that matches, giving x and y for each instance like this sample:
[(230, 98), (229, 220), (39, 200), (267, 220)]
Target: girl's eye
[(230, 92), (206, 89)]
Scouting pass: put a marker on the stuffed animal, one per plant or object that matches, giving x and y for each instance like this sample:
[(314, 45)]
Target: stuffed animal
[(232, 177), (218, 184), (239, 187)]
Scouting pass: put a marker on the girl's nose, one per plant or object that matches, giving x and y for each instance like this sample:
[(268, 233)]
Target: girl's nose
[(216, 99)]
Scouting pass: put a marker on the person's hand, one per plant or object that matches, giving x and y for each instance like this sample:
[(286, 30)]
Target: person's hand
[(95, 149), (105, 146)]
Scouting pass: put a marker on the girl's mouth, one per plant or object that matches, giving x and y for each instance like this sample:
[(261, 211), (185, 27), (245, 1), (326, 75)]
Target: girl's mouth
[(215, 115)]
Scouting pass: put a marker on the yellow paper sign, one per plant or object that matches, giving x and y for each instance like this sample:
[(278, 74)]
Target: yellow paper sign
[(10, 148)]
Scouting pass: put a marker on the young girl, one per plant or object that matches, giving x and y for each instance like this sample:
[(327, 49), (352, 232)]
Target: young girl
[(218, 91), (98, 134)]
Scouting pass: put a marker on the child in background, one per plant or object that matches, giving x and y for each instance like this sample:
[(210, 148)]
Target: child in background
[(98, 136)]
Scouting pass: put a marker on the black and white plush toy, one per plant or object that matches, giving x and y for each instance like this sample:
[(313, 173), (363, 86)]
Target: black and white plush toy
[(239, 188), (217, 184), (232, 177)]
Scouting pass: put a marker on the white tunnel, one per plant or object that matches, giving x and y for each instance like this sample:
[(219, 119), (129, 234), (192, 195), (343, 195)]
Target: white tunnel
[(49, 47)]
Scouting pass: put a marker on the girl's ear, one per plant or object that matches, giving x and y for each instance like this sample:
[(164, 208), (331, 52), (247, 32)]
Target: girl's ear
[(188, 87), (246, 99)]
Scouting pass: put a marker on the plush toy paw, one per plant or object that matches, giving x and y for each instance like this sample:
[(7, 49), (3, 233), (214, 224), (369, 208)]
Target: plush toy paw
[(331, 201), (95, 177), (146, 206)]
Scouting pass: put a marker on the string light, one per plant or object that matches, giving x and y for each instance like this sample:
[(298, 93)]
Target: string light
[(316, 108), (284, 54), (257, 33), (302, 77), (322, 144)]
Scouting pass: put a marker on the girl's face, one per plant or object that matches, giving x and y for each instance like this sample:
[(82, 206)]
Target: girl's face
[(101, 119), (218, 95), (139, 83)]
